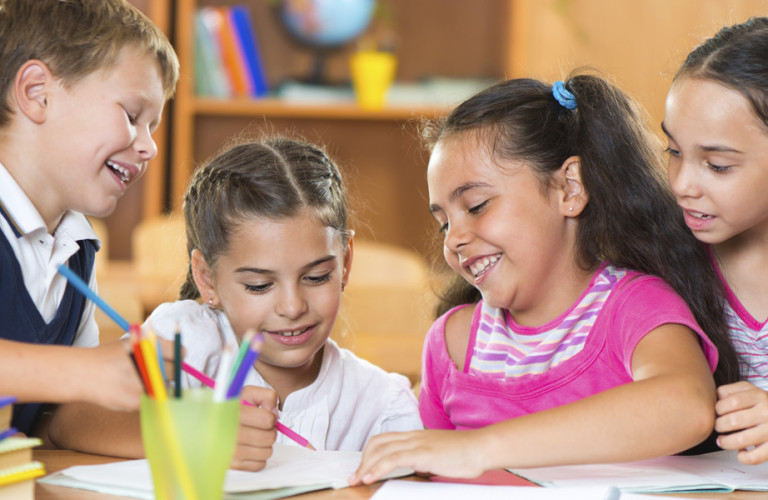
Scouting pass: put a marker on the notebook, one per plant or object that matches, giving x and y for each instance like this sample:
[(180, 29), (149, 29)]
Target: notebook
[(718, 471), (317, 470)]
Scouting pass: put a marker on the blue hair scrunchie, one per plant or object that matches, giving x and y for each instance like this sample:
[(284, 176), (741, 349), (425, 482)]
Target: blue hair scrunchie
[(563, 96)]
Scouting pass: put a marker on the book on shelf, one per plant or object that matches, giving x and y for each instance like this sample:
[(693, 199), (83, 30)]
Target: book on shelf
[(241, 19), (232, 54), (210, 79), (18, 470), (227, 58)]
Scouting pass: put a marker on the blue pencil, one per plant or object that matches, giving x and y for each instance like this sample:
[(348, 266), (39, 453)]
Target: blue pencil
[(251, 355), (80, 285)]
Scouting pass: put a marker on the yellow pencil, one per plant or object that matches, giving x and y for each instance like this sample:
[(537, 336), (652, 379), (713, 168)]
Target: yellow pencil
[(149, 353)]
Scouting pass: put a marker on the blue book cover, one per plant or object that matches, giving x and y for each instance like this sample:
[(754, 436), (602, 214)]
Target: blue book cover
[(247, 34)]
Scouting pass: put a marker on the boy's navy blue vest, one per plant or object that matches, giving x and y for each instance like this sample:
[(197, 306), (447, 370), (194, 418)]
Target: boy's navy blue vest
[(21, 320)]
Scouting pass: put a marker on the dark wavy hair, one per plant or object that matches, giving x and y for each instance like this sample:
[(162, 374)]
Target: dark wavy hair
[(277, 177), (631, 219)]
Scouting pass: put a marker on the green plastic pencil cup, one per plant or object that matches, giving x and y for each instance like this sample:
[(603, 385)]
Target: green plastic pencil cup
[(189, 443)]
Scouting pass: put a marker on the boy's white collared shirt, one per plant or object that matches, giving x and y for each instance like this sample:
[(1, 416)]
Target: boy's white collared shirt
[(39, 254)]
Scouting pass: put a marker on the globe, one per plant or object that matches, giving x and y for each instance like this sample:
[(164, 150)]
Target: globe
[(326, 23)]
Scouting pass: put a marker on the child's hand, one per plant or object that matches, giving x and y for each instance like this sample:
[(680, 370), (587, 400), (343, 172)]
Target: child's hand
[(257, 431), (111, 380), (742, 410), (447, 453)]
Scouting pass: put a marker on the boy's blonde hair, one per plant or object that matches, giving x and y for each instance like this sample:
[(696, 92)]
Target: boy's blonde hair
[(75, 38)]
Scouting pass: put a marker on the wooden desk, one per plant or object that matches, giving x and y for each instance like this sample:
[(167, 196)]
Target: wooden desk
[(56, 460)]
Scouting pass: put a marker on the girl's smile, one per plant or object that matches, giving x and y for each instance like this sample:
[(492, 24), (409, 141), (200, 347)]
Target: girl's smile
[(479, 266), (292, 337), (282, 277)]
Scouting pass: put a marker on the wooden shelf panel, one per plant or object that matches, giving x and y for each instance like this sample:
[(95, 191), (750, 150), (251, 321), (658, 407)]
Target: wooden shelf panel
[(277, 108)]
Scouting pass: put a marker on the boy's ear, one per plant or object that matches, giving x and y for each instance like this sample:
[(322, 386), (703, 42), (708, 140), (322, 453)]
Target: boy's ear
[(32, 86), (573, 197), (347, 269), (203, 276)]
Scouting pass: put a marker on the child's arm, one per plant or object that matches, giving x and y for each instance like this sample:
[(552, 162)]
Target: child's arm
[(742, 410), (102, 375), (668, 408)]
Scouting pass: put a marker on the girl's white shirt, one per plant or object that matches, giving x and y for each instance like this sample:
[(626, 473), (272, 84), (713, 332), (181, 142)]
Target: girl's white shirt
[(350, 401)]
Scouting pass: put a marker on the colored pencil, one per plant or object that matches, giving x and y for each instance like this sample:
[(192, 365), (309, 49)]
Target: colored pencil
[(83, 288), (177, 362), (244, 346), (251, 355), (153, 369), (208, 381), (138, 357), (223, 376)]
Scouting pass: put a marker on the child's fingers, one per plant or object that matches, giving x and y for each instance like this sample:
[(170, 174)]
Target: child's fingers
[(752, 444), (727, 390), (746, 398), (257, 418), (262, 397), (250, 458), (754, 456), (383, 454), (255, 437)]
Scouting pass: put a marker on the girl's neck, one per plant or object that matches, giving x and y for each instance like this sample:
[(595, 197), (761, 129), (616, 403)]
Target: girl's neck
[(286, 380)]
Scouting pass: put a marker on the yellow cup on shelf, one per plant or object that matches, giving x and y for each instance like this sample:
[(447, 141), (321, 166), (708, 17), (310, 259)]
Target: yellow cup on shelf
[(372, 74), (189, 443)]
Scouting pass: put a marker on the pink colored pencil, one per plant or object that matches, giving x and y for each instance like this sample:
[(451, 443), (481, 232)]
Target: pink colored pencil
[(208, 381)]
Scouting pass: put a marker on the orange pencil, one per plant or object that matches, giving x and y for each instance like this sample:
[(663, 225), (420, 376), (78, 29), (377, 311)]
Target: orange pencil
[(135, 337)]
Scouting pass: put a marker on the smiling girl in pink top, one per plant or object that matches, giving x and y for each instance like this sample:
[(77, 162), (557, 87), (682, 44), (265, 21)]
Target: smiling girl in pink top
[(577, 336)]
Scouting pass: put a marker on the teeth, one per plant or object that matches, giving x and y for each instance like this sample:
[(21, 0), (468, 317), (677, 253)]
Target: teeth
[(292, 333), (123, 173), (479, 267), (699, 215)]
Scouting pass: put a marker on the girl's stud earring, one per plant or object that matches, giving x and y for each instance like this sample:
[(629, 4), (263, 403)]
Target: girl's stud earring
[(210, 305), (570, 209)]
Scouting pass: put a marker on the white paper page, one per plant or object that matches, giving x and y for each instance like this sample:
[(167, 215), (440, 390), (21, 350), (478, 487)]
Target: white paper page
[(651, 476), (724, 467), (289, 466), (713, 471), (640, 496), (427, 490)]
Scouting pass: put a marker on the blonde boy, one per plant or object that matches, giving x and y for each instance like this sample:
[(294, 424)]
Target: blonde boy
[(83, 87)]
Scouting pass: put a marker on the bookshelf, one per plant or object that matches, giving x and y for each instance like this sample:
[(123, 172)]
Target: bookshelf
[(379, 152), (639, 46)]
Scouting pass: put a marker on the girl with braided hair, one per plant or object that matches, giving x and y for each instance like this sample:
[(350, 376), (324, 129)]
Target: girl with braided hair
[(270, 250)]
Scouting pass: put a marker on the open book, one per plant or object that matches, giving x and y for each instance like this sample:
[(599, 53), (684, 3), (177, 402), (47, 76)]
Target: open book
[(290, 470), (719, 471)]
